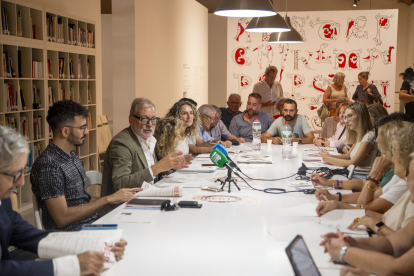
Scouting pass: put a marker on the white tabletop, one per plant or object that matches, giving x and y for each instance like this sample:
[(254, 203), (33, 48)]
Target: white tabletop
[(221, 238)]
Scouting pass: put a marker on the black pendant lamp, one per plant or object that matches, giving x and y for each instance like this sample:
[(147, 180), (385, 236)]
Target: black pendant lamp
[(245, 8), (269, 24), (292, 36)]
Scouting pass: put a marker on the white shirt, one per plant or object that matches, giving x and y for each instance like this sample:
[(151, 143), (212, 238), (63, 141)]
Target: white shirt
[(148, 147), (394, 189), (183, 146), (64, 266), (401, 213), (269, 94), (366, 164), (334, 142)]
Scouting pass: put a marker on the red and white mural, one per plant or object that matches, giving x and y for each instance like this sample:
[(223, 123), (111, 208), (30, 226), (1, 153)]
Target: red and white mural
[(335, 41)]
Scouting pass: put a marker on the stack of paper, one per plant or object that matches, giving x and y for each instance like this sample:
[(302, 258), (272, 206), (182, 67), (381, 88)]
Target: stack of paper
[(197, 167), (255, 159), (153, 191), (144, 204)]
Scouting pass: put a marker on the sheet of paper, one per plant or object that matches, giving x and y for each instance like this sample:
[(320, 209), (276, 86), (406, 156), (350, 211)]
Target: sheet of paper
[(135, 216), (304, 210), (58, 244), (226, 198), (188, 183), (151, 190), (341, 219), (308, 229)]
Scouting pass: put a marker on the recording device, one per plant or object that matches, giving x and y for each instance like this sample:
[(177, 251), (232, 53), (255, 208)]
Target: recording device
[(301, 259), (99, 226), (234, 142), (223, 150), (221, 161)]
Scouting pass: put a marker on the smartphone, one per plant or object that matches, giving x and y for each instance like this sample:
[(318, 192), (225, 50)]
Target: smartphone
[(207, 165), (189, 204), (99, 226)]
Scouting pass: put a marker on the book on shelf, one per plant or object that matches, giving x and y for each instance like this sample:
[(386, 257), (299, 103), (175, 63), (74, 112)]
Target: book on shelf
[(19, 24), (85, 38), (37, 71), (8, 65), (37, 127), (89, 97), (24, 126), (32, 29), (91, 164), (34, 154), (60, 38), (36, 98), (62, 68), (51, 96), (11, 122), (50, 28), (72, 34), (4, 22), (23, 104), (80, 75), (71, 72), (87, 69), (49, 69), (12, 100)]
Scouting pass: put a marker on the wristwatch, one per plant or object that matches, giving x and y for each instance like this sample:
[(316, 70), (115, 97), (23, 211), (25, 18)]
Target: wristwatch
[(378, 226), (342, 252), (300, 141), (323, 143)]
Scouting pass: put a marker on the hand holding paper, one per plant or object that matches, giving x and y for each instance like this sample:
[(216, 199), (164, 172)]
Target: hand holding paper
[(151, 190)]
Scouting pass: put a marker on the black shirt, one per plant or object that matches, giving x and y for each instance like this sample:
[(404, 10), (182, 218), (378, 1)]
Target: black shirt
[(226, 116), (409, 107), (56, 173)]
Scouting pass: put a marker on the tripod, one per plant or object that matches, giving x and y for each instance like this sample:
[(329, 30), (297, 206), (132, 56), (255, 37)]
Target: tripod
[(229, 179)]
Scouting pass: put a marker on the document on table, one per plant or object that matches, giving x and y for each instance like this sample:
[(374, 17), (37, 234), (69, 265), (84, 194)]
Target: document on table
[(135, 216), (188, 182), (197, 167), (308, 229), (341, 219), (58, 244), (304, 210), (150, 190)]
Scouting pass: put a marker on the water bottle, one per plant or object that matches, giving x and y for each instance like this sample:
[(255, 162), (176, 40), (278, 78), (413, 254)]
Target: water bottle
[(287, 142), (256, 131)]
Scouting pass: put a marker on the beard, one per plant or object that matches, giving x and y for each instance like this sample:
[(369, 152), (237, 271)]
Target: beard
[(251, 112), (289, 118), (75, 140)]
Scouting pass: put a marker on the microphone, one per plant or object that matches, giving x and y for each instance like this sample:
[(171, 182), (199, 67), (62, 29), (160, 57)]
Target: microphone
[(223, 150), (219, 159)]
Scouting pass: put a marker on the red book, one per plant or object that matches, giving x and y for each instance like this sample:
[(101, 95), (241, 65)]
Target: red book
[(11, 95)]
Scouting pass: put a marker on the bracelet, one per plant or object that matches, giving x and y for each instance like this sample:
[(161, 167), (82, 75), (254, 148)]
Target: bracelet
[(341, 184), (369, 187), (340, 196), (337, 183), (376, 181)]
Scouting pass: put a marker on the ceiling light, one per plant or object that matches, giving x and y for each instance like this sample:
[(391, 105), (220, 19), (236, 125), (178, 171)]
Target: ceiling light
[(245, 8), (355, 3), (269, 24), (291, 36)]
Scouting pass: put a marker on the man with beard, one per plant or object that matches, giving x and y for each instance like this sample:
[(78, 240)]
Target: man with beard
[(241, 125), (300, 127), (58, 177), (130, 159)]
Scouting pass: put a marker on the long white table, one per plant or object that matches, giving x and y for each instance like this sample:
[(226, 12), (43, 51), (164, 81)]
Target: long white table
[(221, 238)]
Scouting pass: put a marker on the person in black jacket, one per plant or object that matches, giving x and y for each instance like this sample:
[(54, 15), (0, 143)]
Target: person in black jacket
[(17, 232)]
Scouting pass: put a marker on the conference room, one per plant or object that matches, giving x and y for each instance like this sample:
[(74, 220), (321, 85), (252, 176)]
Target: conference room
[(259, 137)]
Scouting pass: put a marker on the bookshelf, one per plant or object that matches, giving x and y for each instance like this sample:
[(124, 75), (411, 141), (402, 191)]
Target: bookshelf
[(38, 69)]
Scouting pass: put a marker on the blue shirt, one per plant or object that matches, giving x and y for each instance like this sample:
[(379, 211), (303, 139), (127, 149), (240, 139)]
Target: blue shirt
[(220, 132), (204, 135), (226, 116)]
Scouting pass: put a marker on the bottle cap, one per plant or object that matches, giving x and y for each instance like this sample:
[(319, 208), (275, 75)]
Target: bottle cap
[(257, 119), (286, 123)]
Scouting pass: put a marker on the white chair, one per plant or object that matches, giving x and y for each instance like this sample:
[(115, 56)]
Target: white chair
[(37, 213), (94, 179), (351, 169)]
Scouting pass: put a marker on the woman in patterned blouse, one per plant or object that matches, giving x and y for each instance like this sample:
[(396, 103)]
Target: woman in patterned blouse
[(366, 92)]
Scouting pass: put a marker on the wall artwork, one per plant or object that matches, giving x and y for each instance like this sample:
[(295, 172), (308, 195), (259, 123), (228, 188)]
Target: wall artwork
[(335, 41)]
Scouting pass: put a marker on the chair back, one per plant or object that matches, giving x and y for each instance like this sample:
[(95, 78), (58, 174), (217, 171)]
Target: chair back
[(94, 179)]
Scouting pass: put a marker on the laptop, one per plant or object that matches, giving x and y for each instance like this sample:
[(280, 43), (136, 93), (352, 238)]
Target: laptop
[(301, 259)]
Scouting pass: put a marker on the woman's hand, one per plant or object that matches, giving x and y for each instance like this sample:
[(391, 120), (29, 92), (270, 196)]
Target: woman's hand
[(326, 206), (365, 221), (352, 271), (320, 193), (325, 155), (380, 167), (346, 149), (319, 180)]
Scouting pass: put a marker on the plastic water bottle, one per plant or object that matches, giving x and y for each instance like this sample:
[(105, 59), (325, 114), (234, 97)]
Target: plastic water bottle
[(256, 131), (287, 142)]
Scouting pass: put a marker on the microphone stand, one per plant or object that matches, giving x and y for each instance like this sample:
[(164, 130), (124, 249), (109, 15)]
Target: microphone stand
[(229, 179)]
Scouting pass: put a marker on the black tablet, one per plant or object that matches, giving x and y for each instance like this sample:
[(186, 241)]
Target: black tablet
[(300, 258)]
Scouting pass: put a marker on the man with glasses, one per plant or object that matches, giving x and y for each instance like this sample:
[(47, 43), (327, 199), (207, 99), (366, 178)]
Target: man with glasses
[(234, 103), (58, 177), (207, 118), (130, 159), (270, 90), (241, 125), (219, 131)]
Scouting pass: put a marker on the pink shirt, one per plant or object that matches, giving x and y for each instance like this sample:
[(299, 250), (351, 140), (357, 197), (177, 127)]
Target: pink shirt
[(334, 142)]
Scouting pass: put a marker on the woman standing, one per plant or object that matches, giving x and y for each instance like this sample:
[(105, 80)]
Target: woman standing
[(334, 92), (366, 92)]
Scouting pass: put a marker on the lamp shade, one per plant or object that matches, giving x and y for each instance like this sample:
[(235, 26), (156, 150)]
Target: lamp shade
[(269, 24), (245, 8), (292, 36)]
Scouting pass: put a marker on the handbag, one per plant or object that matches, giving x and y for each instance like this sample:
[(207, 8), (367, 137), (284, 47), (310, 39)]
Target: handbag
[(323, 112)]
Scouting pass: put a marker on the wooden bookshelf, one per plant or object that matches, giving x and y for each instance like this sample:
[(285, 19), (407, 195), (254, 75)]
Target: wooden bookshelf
[(26, 44)]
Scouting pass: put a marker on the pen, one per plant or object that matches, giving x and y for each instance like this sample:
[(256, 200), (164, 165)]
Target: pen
[(322, 174), (324, 197)]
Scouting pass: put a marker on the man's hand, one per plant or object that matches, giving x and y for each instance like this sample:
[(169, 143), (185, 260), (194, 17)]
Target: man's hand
[(318, 142), (277, 140), (241, 140), (185, 162), (91, 263), (227, 144), (122, 196), (119, 249), (170, 161)]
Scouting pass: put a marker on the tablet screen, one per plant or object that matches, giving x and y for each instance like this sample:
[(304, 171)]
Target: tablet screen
[(301, 258)]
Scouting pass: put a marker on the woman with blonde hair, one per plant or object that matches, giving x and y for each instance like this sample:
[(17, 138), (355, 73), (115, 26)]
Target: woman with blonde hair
[(361, 135), (366, 92), (167, 132), (335, 91), (376, 112)]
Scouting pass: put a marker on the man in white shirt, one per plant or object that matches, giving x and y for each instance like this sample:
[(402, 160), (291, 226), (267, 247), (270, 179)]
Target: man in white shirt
[(270, 90)]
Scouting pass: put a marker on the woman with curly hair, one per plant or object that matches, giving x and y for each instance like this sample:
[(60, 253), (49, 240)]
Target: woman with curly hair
[(189, 142), (167, 132)]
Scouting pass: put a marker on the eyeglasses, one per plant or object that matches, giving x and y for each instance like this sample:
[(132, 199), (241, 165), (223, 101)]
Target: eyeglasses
[(145, 120), (348, 117), (217, 119), (17, 175), (82, 128), (211, 119)]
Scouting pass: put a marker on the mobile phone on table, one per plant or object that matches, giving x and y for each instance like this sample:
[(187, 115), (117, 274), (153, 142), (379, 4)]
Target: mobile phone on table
[(207, 165), (99, 226), (189, 204)]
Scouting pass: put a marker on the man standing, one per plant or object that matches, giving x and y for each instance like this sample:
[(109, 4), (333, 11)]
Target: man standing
[(301, 131), (130, 159), (270, 90), (58, 177), (234, 103), (241, 125), (219, 131)]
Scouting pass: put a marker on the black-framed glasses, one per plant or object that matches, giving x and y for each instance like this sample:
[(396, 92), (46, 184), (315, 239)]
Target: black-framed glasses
[(17, 175), (83, 128), (145, 120), (211, 119)]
